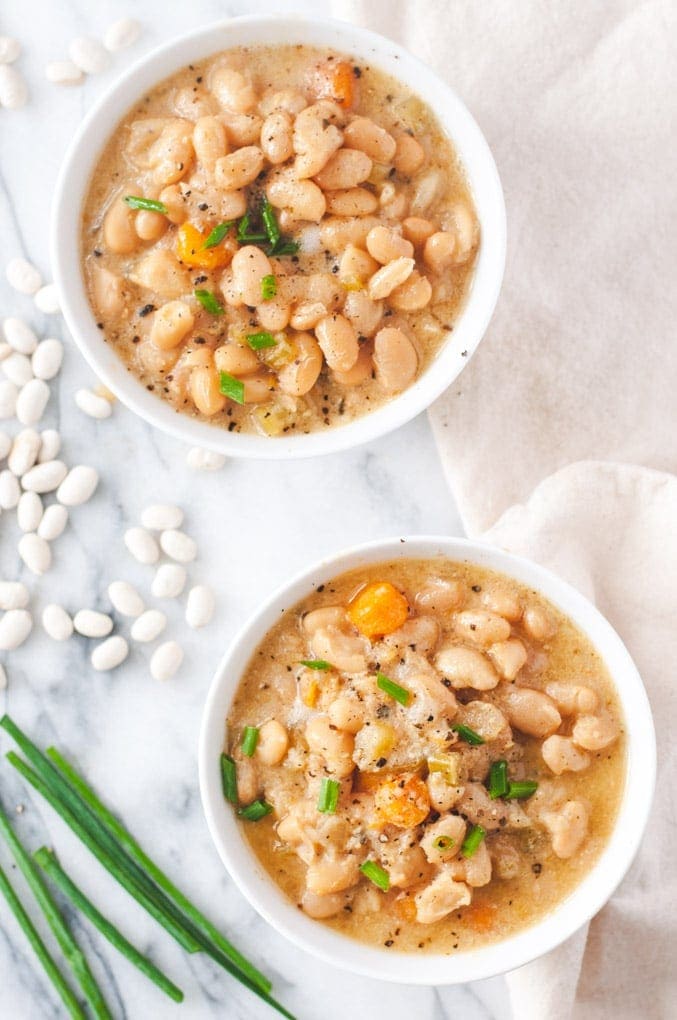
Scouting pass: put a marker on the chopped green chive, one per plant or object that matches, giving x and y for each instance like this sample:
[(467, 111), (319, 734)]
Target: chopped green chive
[(444, 843), (394, 690), (250, 738), (218, 233), (270, 238), (231, 387), (465, 733), (268, 287), (243, 234), (270, 223), (259, 341), (498, 779), (136, 202), (376, 874), (229, 778), (521, 790), (316, 664), (472, 841), (209, 302), (285, 248), (329, 795), (255, 811)]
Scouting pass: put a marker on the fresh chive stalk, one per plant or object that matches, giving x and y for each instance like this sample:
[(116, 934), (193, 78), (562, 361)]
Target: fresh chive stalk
[(465, 733), (376, 874), (231, 387), (209, 301), (250, 738), (472, 841), (270, 223), (259, 341), (40, 949), (521, 790), (151, 204), (329, 794), (498, 779), (46, 859), (394, 690), (319, 664), (218, 233), (229, 778), (255, 811)]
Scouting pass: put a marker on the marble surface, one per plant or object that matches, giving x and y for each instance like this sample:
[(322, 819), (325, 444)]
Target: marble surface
[(255, 524)]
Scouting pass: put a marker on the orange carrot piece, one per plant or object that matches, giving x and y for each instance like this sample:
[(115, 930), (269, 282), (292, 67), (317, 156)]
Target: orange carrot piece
[(378, 609), (191, 251)]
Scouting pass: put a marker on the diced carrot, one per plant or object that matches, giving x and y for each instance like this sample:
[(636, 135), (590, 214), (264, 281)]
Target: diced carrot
[(480, 916), (310, 690), (334, 80), (378, 609), (191, 251), (403, 802), (405, 907)]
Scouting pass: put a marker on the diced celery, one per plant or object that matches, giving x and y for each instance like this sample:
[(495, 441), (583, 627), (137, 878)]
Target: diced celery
[(448, 765)]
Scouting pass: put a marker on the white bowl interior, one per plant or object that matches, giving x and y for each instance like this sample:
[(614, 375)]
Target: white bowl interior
[(457, 122), (547, 933)]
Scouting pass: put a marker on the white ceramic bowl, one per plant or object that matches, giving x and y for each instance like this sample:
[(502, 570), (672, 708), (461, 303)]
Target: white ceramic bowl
[(101, 121), (550, 931)]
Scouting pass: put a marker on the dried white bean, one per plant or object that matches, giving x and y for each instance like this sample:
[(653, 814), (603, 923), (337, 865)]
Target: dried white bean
[(169, 581), (162, 516), (63, 72), (110, 653), (90, 623), (13, 94), (142, 545), (19, 335), (49, 446), (57, 622), (8, 395), (25, 449), (166, 660), (32, 401), (78, 486), (149, 625), (10, 49), (3, 678), (17, 368), (200, 606), (5, 351), (54, 520), (45, 477), (5, 444), (125, 598), (178, 545), (35, 553), (47, 299), (13, 595), (88, 54), (22, 275), (29, 511), (121, 34), (93, 405), (47, 358), (197, 458), (10, 490), (15, 627)]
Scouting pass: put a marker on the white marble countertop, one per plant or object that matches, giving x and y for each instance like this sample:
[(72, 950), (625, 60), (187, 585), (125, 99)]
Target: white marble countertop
[(255, 524)]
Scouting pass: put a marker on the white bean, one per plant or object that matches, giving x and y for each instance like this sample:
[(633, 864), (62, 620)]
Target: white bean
[(197, 458), (10, 49), (10, 491), (63, 72), (25, 449), (142, 545), (47, 358), (149, 625), (110, 653), (32, 401), (5, 444), (35, 553), (15, 626), (17, 368), (54, 520), (8, 395), (166, 660), (78, 486), (121, 33), (57, 622), (90, 623), (125, 598), (29, 511), (162, 516), (45, 477), (13, 595), (13, 94), (200, 606), (169, 581), (88, 54), (47, 299), (19, 335), (23, 276), (93, 405), (50, 444), (178, 545)]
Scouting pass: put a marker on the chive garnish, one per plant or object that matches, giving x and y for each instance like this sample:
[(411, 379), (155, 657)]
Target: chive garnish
[(465, 733), (250, 738), (444, 843), (259, 341), (498, 779), (285, 248), (218, 233), (394, 690), (270, 222), (229, 778), (521, 790), (316, 664), (376, 874), (329, 795), (209, 302), (472, 841), (255, 811), (231, 387), (137, 202), (270, 239), (268, 287), (243, 234)]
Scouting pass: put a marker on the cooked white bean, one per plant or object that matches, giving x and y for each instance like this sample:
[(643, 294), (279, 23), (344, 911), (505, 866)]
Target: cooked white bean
[(466, 667), (91, 623), (15, 626), (315, 137), (438, 251), (302, 199), (200, 459), (10, 490), (110, 653), (532, 711), (45, 477), (389, 277), (149, 625), (365, 314), (17, 368), (178, 545), (560, 754), (35, 553), (142, 545), (10, 49), (273, 742), (301, 374), (239, 168), (351, 202), (78, 486), (594, 732), (428, 188), (440, 897), (47, 358), (63, 72), (361, 370), (481, 627), (47, 299), (332, 874), (93, 405), (57, 622), (32, 401), (169, 581), (386, 245), (337, 337), (335, 746), (322, 907), (276, 137), (233, 90), (19, 335), (538, 623), (355, 267), (568, 827), (395, 357), (508, 657), (307, 314), (13, 595), (54, 520), (572, 698), (200, 606), (412, 295), (8, 396), (162, 516), (121, 34), (409, 155), (29, 511), (24, 452), (368, 136), (417, 229), (345, 169), (166, 660), (250, 265)]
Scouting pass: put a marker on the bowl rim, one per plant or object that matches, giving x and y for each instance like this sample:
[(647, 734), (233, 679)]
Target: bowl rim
[(164, 60), (586, 899)]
